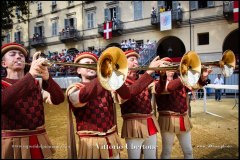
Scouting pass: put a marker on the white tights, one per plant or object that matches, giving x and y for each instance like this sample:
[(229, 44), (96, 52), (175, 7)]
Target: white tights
[(149, 146), (184, 140)]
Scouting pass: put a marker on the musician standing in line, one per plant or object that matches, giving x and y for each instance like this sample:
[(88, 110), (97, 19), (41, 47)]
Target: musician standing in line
[(92, 106), (172, 105), (22, 124), (140, 126)]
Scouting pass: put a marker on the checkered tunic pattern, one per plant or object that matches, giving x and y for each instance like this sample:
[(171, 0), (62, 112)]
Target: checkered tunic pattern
[(176, 101), (97, 115), (137, 104), (27, 112), (22, 102)]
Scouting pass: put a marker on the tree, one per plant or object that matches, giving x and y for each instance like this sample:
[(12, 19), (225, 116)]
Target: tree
[(8, 12)]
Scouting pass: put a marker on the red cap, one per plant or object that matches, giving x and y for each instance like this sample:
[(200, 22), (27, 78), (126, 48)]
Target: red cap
[(13, 46), (132, 53), (167, 59), (86, 55)]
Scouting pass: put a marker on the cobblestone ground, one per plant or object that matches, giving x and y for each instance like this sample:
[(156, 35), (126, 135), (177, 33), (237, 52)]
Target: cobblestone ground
[(212, 136)]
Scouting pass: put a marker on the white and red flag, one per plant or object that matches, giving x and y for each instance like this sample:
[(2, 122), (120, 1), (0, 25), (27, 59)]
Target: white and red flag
[(235, 11), (107, 30)]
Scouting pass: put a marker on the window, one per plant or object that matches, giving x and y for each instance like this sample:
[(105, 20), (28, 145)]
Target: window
[(90, 21), (54, 5), (8, 38), (203, 38), (39, 30), (110, 13), (70, 3), (39, 8), (18, 14), (201, 4), (71, 23), (17, 37), (137, 10), (54, 28)]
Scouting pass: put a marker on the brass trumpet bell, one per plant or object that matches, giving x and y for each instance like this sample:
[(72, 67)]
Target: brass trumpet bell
[(228, 63), (190, 68), (112, 68)]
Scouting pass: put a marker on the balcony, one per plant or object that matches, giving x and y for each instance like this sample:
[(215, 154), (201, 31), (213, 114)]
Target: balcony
[(38, 42), (228, 10), (116, 30), (177, 16), (72, 35)]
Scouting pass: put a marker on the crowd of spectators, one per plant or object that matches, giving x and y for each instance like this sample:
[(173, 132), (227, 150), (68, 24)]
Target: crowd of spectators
[(68, 56)]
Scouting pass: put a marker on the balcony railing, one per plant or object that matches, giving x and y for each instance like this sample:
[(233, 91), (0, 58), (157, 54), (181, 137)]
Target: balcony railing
[(116, 29), (71, 35), (177, 16), (38, 42)]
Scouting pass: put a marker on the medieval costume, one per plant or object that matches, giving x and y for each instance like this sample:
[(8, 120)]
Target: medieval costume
[(22, 124)]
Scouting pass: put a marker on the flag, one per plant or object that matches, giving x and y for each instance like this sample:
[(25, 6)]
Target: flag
[(107, 30), (235, 11), (165, 21)]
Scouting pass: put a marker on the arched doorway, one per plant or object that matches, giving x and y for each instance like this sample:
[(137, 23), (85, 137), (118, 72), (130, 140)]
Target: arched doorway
[(231, 42), (113, 45), (172, 47), (72, 51)]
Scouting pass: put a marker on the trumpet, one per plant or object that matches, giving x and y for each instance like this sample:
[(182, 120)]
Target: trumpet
[(189, 67), (111, 67), (227, 64)]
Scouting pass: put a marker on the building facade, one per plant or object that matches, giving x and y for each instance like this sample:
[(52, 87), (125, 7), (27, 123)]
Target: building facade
[(205, 27)]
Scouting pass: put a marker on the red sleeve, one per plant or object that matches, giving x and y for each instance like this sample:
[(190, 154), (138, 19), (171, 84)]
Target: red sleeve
[(174, 84), (19, 89), (126, 92), (54, 89), (90, 91)]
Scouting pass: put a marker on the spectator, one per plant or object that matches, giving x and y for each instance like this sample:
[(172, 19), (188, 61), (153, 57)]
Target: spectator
[(200, 93), (162, 9), (122, 44), (208, 81), (133, 44), (37, 36), (34, 37), (218, 92), (179, 7), (154, 14), (129, 44)]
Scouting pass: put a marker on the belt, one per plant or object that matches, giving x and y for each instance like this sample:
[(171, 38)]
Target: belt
[(137, 116), (6, 134), (171, 114), (96, 135)]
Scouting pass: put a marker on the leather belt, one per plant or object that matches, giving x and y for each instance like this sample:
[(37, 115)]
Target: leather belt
[(96, 135), (6, 134), (137, 116)]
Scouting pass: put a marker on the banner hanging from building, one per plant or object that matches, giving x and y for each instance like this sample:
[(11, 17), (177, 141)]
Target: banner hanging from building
[(107, 30), (235, 11), (165, 21)]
